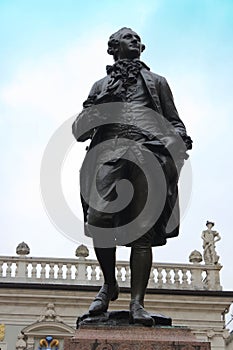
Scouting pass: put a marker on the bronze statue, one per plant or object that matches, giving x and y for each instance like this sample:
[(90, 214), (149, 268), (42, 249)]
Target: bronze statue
[(144, 114)]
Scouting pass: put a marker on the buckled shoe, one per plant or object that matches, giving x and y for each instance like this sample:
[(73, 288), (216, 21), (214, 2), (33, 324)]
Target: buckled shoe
[(100, 303), (139, 315)]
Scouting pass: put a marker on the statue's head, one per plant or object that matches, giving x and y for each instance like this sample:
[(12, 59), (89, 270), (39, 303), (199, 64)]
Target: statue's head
[(209, 224), (125, 43)]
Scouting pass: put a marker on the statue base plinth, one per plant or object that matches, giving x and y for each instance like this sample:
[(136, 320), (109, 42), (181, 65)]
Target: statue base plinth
[(118, 318), (114, 333)]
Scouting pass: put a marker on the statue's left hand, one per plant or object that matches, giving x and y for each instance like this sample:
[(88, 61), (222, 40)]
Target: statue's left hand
[(175, 146), (169, 141)]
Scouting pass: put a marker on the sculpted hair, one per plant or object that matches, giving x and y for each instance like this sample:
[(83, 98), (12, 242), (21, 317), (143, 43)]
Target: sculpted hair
[(113, 42)]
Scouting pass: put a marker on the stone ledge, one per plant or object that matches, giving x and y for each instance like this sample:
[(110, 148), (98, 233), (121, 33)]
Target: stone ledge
[(93, 337), (132, 345)]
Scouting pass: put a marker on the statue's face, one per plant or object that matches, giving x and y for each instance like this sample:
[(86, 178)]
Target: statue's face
[(129, 45)]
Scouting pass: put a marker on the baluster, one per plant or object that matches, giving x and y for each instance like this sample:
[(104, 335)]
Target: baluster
[(168, 282), (185, 278), (127, 275), (93, 273), (59, 271), (34, 265), (151, 278), (176, 278), (68, 272), (51, 271), (171, 277), (160, 277), (1, 268), (119, 273), (43, 270), (8, 269)]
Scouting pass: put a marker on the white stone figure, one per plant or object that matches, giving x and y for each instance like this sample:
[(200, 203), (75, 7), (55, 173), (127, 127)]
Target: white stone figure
[(209, 239), (20, 344), (50, 314)]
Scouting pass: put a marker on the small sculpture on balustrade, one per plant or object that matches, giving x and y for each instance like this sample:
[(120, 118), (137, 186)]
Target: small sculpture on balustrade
[(50, 314), (82, 251), (195, 257), (210, 237), (22, 249)]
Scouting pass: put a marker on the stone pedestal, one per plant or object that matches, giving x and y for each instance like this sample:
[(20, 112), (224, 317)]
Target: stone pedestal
[(107, 335)]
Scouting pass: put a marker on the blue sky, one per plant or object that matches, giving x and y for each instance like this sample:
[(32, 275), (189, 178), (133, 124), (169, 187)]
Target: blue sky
[(53, 51)]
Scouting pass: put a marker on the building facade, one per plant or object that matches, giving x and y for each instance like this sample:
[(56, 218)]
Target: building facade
[(41, 298)]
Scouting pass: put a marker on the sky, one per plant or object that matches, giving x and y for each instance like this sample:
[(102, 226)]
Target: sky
[(51, 54)]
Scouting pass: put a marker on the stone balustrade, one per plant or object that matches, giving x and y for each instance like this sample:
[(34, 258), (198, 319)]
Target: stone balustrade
[(83, 271)]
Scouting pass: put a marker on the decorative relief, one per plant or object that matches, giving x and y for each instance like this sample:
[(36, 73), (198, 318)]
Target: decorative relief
[(210, 333), (104, 347), (125, 347), (50, 314), (147, 347), (21, 343), (86, 347), (131, 345), (225, 334), (2, 332), (48, 343), (162, 347)]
